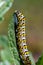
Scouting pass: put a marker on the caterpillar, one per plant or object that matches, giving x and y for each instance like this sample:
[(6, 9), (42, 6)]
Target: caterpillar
[(21, 38)]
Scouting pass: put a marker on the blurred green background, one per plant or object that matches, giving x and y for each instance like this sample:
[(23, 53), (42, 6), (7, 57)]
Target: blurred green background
[(33, 11)]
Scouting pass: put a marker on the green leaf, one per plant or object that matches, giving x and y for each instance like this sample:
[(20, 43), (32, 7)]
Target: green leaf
[(40, 60)]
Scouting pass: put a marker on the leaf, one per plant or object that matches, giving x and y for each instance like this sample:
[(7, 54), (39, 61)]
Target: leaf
[(40, 60)]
